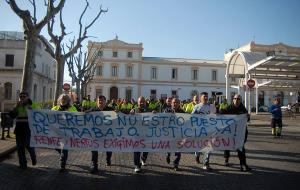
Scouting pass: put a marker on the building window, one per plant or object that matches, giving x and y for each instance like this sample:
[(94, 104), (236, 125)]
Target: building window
[(153, 73), (153, 94), (128, 94), (9, 60), (99, 92), (99, 70), (174, 73), (129, 71), (50, 94), (232, 79), (115, 54), (174, 94), (114, 71), (214, 75), (7, 91), (44, 94), (129, 54), (35, 92), (195, 74), (100, 53)]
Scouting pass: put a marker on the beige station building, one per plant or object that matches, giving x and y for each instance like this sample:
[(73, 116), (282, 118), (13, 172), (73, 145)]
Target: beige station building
[(123, 72)]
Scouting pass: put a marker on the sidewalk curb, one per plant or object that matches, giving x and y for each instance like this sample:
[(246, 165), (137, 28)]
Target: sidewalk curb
[(8, 151)]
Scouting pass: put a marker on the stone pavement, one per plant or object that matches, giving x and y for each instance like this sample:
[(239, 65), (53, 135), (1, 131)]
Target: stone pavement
[(275, 163), (7, 145)]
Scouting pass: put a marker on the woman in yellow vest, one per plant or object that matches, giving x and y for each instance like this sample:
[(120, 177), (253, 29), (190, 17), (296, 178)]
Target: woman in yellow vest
[(22, 130), (64, 104)]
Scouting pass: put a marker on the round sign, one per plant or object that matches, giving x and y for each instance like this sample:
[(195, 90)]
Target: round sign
[(66, 87), (251, 83)]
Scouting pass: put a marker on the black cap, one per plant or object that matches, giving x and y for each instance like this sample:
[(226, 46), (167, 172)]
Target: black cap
[(24, 93)]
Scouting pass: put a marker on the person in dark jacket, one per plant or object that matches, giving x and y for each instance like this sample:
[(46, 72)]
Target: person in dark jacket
[(276, 118), (237, 108), (22, 130), (101, 106)]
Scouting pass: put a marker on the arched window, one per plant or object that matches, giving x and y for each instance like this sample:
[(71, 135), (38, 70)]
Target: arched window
[(8, 91), (113, 93), (128, 93)]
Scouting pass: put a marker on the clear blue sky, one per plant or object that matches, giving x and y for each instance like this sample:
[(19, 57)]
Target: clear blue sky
[(202, 29)]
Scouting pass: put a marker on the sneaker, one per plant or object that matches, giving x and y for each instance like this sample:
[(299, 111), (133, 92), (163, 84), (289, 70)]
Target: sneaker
[(108, 163), (197, 159), (176, 168), (137, 169), (33, 161), (144, 163), (94, 170), (206, 167), (168, 159)]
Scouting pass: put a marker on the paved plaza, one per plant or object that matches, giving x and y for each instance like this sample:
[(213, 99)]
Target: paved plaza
[(275, 163)]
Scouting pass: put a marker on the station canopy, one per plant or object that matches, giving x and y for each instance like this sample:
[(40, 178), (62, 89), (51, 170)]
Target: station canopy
[(273, 71)]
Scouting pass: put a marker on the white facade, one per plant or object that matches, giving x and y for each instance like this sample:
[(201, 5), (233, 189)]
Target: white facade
[(12, 53), (124, 73)]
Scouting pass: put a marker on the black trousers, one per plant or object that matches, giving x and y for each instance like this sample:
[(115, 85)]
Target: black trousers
[(63, 157), (22, 132), (241, 153), (95, 158), (177, 159), (275, 122), (137, 158)]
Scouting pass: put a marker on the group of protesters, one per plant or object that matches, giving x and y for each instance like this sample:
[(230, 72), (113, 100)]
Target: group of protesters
[(199, 105)]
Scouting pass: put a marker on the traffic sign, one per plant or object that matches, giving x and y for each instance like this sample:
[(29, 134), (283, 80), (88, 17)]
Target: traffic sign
[(251, 83)]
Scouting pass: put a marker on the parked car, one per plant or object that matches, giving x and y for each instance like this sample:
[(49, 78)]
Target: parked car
[(263, 109)]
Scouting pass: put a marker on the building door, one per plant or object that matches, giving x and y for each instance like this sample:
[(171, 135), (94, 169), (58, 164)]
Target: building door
[(113, 93)]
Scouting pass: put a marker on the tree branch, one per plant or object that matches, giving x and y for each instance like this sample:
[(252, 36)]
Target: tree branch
[(48, 47)]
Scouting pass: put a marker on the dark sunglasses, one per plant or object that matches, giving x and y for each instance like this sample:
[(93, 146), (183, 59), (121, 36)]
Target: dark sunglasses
[(236, 98)]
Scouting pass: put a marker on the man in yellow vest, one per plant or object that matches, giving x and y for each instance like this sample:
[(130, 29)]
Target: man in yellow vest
[(22, 130), (190, 106), (224, 105), (126, 106), (87, 103)]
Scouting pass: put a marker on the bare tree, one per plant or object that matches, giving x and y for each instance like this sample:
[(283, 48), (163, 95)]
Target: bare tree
[(82, 68), (32, 29), (57, 40)]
